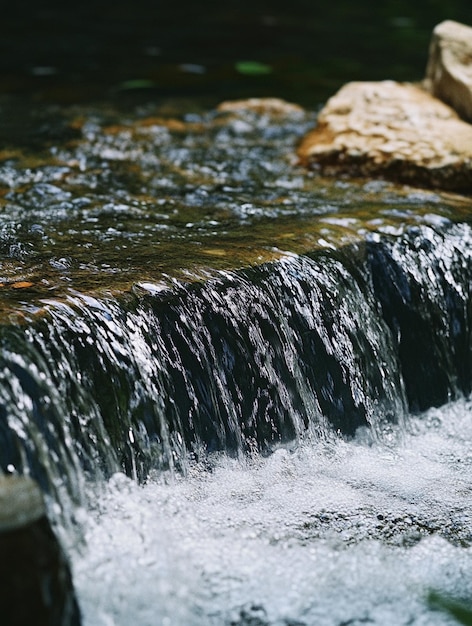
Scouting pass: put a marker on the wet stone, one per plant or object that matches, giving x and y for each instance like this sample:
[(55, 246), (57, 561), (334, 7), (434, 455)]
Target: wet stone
[(35, 580)]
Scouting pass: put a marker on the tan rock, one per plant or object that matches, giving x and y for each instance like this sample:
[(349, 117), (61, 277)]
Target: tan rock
[(269, 106), (398, 131), (21, 502), (449, 69)]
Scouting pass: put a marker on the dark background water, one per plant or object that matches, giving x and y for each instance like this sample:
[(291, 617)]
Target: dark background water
[(113, 50)]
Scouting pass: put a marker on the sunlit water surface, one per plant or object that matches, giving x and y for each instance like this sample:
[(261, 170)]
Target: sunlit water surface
[(327, 533)]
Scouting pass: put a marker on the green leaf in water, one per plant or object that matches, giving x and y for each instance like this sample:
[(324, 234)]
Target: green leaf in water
[(253, 68), (461, 612), (136, 83)]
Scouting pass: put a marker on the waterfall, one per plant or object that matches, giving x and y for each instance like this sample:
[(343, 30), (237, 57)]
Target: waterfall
[(245, 361)]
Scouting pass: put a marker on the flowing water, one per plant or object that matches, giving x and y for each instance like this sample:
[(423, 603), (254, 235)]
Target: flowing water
[(221, 370), (332, 533)]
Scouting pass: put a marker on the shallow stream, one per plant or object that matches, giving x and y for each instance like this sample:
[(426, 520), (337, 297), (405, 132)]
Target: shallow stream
[(220, 369)]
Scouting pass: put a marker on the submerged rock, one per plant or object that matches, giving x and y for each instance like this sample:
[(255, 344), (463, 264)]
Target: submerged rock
[(35, 580), (399, 131), (449, 70)]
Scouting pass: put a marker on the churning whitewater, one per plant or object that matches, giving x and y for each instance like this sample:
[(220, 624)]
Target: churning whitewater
[(330, 533)]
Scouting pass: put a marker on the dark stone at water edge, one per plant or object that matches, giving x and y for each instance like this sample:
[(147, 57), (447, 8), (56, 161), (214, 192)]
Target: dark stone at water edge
[(35, 580)]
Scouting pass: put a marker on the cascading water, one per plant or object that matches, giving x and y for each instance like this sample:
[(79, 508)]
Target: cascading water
[(244, 447), (244, 361)]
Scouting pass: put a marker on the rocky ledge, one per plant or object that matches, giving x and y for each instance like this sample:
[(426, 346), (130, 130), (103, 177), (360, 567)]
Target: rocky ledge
[(402, 131)]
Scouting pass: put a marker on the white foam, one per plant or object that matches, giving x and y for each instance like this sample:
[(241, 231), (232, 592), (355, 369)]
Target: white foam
[(328, 533)]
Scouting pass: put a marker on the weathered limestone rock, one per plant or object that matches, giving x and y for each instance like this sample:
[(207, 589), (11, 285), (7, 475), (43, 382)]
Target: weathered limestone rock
[(398, 131), (35, 581), (449, 69)]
